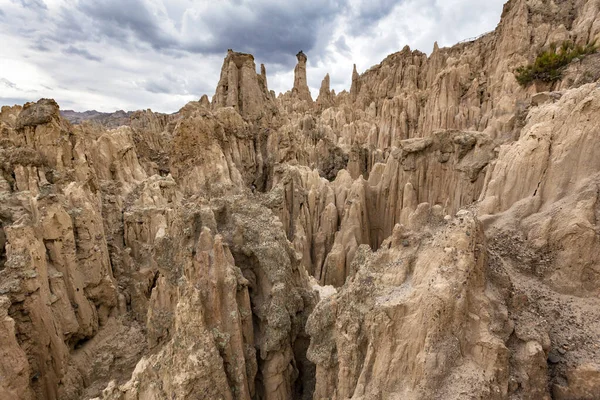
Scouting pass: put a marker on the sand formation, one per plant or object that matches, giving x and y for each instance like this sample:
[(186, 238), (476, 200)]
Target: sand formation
[(434, 233)]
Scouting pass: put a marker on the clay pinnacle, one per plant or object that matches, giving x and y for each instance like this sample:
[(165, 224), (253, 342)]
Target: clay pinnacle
[(300, 88), (301, 56)]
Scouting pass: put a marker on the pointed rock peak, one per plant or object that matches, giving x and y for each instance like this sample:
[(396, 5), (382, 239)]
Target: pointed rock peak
[(326, 96), (300, 89), (262, 79), (355, 75), (301, 56), (204, 101), (38, 113), (355, 88), (241, 87), (406, 49), (436, 47), (238, 58)]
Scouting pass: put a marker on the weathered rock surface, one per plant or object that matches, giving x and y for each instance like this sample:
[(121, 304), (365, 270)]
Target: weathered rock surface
[(450, 214), (415, 321), (326, 97), (242, 88), (300, 89)]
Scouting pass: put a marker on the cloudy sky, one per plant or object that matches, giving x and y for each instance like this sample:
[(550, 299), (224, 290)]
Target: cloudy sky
[(160, 54)]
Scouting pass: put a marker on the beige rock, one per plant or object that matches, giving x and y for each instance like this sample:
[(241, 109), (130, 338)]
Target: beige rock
[(326, 97), (242, 88), (583, 382), (546, 184), (15, 367), (169, 256), (413, 323), (300, 89)]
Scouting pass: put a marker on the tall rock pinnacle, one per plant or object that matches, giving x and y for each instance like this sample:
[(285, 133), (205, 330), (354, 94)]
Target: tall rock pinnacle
[(300, 89), (326, 95), (355, 88), (262, 78), (241, 87)]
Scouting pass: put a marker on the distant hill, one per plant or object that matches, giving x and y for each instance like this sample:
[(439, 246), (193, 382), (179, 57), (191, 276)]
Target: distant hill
[(110, 120)]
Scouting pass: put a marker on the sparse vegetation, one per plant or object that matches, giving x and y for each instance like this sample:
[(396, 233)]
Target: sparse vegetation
[(550, 64)]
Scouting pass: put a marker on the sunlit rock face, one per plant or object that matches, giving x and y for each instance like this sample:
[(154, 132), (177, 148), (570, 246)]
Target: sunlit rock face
[(430, 233), (300, 89), (242, 88)]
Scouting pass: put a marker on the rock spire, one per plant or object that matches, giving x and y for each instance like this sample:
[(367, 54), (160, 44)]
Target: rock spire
[(241, 87), (300, 89)]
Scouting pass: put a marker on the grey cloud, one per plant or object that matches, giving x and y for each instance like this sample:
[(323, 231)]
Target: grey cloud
[(169, 83), (12, 101), (33, 4), (6, 83), (341, 45), (114, 18), (40, 47), (340, 80), (69, 27), (465, 24), (168, 51), (11, 85), (82, 53), (159, 87), (272, 30), (368, 12), (277, 30)]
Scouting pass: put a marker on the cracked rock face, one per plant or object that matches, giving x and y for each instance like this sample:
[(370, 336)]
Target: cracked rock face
[(431, 233), (415, 321)]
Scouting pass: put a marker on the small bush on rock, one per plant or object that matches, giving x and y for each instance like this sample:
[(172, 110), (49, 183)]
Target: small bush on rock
[(550, 64)]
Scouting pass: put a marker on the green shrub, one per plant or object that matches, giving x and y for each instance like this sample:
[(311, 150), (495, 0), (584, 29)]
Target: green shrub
[(550, 64)]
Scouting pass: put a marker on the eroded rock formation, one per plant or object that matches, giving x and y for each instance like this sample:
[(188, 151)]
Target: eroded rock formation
[(300, 89), (242, 88), (432, 233)]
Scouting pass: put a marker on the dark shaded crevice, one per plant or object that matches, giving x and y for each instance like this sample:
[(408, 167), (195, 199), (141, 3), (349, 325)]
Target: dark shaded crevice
[(153, 283), (197, 230), (292, 228), (26, 336), (2, 247), (264, 169), (78, 344), (303, 383), (538, 185), (548, 158), (259, 383), (338, 160), (13, 181), (248, 264), (304, 386)]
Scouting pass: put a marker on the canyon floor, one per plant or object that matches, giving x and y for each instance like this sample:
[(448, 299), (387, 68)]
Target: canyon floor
[(432, 233)]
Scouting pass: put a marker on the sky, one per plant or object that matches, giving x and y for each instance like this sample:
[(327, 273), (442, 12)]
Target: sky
[(160, 54)]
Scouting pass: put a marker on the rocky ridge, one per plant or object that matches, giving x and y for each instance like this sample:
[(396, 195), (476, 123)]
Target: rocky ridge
[(432, 233), (109, 120)]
